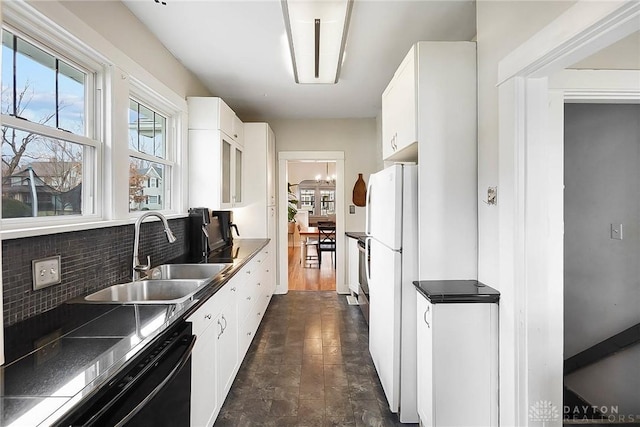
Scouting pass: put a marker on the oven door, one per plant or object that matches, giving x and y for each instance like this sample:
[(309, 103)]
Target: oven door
[(154, 390)]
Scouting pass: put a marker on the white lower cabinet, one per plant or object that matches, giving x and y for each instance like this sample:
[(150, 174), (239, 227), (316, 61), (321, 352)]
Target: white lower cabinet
[(208, 326), (457, 369), (225, 325)]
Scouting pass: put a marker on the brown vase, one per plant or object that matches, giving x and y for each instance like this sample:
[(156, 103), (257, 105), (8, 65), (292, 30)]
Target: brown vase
[(360, 192)]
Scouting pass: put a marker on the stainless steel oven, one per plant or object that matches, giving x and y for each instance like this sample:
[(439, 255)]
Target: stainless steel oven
[(363, 292)]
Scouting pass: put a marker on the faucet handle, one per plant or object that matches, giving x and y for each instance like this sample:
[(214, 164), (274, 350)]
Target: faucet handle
[(143, 267)]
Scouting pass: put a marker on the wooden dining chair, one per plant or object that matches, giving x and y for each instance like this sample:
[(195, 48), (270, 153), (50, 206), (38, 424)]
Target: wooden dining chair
[(326, 241), (305, 256)]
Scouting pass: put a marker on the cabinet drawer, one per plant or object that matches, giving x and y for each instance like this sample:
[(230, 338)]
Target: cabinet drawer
[(205, 315)]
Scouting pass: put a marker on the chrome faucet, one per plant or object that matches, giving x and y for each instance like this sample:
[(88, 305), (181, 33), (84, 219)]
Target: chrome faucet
[(137, 267)]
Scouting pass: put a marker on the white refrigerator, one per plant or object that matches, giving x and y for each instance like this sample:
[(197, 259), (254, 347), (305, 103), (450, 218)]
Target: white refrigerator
[(392, 230)]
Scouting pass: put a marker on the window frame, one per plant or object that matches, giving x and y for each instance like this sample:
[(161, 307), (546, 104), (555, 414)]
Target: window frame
[(71, 53), (53, 26), (157, 103)]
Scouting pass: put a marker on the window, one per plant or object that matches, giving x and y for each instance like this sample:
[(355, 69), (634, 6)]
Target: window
[(149, 165), (48, 151)]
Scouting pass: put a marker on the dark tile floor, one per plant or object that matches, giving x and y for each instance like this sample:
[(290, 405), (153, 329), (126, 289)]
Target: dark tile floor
[(308, 365)]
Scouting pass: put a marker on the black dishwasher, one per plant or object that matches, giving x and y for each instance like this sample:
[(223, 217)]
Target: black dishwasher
[(152, 390)]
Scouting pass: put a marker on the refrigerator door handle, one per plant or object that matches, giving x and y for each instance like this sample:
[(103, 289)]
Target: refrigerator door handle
[(366, 264), (367, 222)]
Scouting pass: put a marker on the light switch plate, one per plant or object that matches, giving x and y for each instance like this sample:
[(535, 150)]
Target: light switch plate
[(616, 231), (46, 272)]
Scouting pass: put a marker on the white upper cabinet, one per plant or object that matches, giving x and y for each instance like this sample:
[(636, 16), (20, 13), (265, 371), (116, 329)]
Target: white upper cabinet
[(429, 117), (214, 114), (259, 175), (216, 158), (399, 113)]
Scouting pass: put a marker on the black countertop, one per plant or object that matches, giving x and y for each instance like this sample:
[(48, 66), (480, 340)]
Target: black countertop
[(356, 235), (457, 291), (55, 359)]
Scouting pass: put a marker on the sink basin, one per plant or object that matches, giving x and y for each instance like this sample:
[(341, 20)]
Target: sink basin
[(147, 292), (187, 271)]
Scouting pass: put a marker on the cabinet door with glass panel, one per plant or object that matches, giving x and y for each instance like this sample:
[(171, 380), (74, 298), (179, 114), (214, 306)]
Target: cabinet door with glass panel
[(231, 173)]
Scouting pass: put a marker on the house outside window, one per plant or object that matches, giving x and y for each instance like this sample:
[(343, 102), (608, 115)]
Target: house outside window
[(49, 153), (150, 163)]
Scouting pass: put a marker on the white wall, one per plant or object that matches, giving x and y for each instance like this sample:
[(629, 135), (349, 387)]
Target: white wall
[(502, 26), (357, 138), (623, 55), (115, 22)]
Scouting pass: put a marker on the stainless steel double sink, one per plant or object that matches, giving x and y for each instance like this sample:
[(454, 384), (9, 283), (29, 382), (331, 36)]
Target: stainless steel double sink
[(165, 284)]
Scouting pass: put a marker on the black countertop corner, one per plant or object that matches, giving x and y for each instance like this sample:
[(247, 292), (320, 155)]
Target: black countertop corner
[(456, 291), (356, 235)]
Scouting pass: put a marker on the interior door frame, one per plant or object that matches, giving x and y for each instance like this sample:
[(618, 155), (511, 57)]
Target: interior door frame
[(530, 209), (283, 268)]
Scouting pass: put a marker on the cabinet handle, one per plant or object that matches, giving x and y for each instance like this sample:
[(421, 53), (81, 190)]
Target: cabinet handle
[(249, 297), (249, 333), (258, 283), (207, 316), (221, 329), (267, 270), (259, 313), (425, 317), (248, 271), (235, 135), (225, 322), (233, 289)]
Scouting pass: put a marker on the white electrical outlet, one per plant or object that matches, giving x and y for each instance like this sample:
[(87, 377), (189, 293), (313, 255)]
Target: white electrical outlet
[(46, 272)]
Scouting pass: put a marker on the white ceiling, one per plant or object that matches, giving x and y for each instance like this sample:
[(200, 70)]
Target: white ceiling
[(239, 50)]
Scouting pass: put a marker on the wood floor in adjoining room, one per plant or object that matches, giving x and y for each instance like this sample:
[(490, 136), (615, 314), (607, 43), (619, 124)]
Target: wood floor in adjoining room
[(311, 278)]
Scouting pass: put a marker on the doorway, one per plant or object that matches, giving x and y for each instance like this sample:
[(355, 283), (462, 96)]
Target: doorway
[(532, 91), (311, 197), (331, 272), (601, 246)]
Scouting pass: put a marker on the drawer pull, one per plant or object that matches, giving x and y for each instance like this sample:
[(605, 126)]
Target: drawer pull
[(249, 298), (259, 313), (225, 322), (233, 289), (258, 283), (249, 333), (425, 318), (207, 316)]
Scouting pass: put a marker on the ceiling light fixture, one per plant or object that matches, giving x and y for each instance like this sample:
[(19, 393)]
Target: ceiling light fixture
[(317, 33)]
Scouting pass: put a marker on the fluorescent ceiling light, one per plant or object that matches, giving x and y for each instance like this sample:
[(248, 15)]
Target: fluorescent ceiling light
[(317, 32)]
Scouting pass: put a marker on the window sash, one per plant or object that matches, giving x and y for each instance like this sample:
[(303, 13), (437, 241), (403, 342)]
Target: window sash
[(91, 199)]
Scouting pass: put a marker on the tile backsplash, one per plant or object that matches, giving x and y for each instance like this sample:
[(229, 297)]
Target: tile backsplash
[(90, 260)]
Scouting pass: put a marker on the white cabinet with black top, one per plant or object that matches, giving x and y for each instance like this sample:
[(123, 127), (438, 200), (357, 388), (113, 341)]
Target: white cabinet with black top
[(457, 346), (225, 326)]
